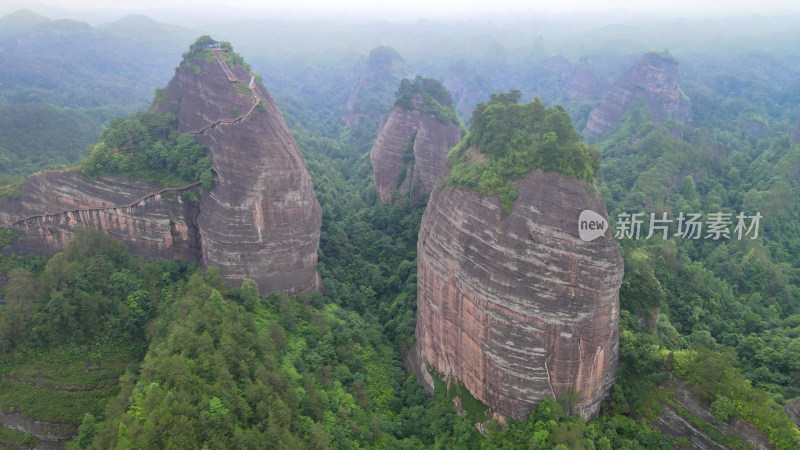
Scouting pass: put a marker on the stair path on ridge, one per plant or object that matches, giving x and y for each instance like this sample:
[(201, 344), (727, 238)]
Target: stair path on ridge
[(106, 208), (232, 78), (225, 68)]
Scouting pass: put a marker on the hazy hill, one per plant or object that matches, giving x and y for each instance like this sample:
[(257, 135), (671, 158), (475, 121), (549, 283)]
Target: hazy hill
[(709, 329), (20, 21), (156, 36), (61, 80)]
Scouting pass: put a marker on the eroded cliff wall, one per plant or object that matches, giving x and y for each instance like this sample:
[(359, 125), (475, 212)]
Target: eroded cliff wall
[(153, 222), (261, 220), (516, 306), (430, 141)]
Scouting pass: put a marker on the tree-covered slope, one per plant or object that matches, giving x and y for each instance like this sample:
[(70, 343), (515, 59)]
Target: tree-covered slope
[(148, 146), (513, 139), (62, 80)]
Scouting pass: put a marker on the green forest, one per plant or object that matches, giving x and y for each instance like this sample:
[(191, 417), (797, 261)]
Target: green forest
[(436, 100), (119, 352), (148, 146), (62, 81), (516, 139)]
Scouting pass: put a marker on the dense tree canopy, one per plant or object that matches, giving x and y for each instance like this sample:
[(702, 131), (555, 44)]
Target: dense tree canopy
[(514, 140), (148, 146), (433, 98)]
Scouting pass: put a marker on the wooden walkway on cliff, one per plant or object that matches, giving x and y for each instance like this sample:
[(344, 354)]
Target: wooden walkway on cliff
[(225, 68), (105, 208), (233, 79)]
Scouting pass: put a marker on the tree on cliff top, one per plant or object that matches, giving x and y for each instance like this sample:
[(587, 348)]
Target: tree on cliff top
[(436, 100), (516, 139), (199, 51)]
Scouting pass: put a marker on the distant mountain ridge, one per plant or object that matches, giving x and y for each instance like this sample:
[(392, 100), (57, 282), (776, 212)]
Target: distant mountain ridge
[(20, 21)]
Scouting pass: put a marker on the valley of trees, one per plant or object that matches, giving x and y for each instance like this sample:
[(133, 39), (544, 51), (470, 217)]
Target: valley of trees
[(124, 353)]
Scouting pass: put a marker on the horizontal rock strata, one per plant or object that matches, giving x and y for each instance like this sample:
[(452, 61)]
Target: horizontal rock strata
[(261, 220), (153, 222), (431, 141), (516, 306)]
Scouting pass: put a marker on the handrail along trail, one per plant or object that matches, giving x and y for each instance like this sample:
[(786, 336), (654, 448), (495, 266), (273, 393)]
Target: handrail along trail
[(232, 78), (106, 208)]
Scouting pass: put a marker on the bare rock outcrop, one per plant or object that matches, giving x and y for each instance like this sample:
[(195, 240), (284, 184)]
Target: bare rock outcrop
[(49, 435), (516, 306), (153, 222), (684, 423), (653, 79), (261, 220), (793, 410), (428, 140)]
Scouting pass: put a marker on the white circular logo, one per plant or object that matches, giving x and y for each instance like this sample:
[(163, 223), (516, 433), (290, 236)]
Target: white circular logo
[(591, 225)]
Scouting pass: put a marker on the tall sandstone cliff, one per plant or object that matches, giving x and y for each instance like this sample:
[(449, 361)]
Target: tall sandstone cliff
[(261, 220), (653, 79), (430, 140), (516, 306), (154, 223)]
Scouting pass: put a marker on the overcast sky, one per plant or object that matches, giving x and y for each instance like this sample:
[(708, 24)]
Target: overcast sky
[(389, 9)]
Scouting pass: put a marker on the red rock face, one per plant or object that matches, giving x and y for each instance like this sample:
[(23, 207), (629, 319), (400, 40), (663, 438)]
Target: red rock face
[(156, 225), (431, 142), (653, 79), (261, 220), (517, 307)]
